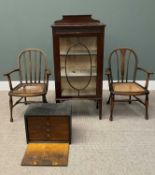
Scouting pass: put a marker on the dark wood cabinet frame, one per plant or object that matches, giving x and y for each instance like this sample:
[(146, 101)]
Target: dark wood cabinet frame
[(79, 27)]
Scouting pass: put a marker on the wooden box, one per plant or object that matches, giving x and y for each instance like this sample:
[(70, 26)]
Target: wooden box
[(48, 123)]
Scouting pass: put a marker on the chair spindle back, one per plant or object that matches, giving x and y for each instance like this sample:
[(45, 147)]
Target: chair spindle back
[(32, 64)]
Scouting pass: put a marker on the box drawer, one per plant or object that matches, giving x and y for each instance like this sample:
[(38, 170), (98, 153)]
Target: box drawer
[(48, 128), (48, 123)]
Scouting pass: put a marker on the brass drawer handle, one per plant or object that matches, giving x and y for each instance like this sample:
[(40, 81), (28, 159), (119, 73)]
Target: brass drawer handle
[(48, 124), (47, 129), (48, 135)]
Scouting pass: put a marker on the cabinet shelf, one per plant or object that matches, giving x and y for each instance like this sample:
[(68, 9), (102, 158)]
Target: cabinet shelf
[(88, 92), (76, 53), (78, 73)]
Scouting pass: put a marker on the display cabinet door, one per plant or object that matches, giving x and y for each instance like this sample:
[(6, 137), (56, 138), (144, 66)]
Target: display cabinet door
[(78, 66)]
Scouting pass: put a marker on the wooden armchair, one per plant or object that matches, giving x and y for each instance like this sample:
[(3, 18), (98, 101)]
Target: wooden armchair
[(33, 77), (122, 73)]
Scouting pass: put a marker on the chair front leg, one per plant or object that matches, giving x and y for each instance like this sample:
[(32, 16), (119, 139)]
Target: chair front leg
[(108, 102), (25, 101), (146, 106), (130, 99), (44, 99), (96, 104), (112, 98), (11, 108)]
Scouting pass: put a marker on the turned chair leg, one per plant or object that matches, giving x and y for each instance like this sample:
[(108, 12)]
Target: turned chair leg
[(11, 108), (44, 99), (25, 101), (96, 104), (111, 107), (108, 102), (130, 99), (146, 106)]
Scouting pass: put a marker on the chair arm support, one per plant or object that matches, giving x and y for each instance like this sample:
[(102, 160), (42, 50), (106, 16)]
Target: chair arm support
[(8, 75), (110, 80), (47, 74), (148, 73), (108, 71)]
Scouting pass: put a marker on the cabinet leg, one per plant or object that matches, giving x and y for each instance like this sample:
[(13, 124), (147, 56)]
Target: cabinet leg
[(57, 101), (100, 109)]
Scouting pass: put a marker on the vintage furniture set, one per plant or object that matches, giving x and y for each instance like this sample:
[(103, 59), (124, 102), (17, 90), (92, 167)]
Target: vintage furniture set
[(78, 47)]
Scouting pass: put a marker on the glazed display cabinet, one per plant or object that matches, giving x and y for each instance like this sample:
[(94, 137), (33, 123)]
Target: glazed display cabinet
[(78, 47)]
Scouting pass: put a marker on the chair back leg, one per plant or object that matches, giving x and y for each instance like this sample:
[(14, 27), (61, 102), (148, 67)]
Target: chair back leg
[(112, 98), (11, 108), (146, 106)]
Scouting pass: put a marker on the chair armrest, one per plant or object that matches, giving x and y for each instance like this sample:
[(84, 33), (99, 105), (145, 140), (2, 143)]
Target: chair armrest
[(144, 70), (8, 75), (148, 73)]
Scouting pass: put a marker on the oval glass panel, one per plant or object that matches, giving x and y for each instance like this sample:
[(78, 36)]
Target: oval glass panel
[(78, 66)]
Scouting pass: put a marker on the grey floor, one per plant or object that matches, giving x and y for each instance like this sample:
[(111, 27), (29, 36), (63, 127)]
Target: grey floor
[(125, 146)]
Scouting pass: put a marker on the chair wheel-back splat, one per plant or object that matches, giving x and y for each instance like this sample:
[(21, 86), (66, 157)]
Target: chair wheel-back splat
[(122, 73)]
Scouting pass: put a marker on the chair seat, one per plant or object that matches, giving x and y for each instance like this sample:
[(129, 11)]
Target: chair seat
[(128, 88), (29, 90)]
